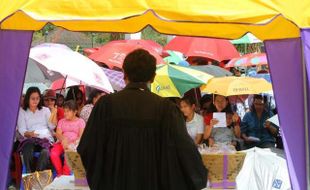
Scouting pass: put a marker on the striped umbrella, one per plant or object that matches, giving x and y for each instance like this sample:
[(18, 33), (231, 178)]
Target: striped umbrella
[(252, 59), (174, 81)]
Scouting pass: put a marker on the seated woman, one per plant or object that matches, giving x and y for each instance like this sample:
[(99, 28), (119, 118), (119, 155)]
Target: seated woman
[(224, 135), (255, 130), (33, 124), (221, 104), (94, 96), (194, 122), (69, 132)]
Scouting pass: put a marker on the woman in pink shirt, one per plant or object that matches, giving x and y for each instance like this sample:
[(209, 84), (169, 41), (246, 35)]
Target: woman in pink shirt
[(68, 133)]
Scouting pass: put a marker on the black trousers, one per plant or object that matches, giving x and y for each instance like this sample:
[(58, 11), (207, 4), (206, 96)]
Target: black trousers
[(42, 162)]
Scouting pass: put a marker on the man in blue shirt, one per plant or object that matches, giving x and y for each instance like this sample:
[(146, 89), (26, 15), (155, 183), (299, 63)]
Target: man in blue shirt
[(255, 129)]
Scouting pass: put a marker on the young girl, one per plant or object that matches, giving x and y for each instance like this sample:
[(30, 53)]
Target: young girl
[(68, 133)]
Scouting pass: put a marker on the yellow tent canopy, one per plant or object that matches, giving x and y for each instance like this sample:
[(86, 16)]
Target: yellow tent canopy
[(266, 19)]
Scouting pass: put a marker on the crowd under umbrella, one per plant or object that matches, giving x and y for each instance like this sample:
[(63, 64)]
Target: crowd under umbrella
[(174, 81), (210, 48), (113, 54), (71, 64)]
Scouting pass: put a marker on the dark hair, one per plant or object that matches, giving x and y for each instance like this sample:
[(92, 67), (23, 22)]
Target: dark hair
[(189, 101), (205, 98), (72, 93), (93, 94), (71, 105), (257, 97), (139, 66), (58, 95), (226, 109), (29, 92)]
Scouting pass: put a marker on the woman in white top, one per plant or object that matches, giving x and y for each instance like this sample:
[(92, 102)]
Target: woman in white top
[(33, 124), (194, 121)]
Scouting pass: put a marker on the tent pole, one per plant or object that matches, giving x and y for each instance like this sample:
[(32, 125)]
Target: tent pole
[(304, 71)]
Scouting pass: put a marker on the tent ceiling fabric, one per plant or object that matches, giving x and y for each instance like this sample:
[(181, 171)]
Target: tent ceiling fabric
[(223, 19)]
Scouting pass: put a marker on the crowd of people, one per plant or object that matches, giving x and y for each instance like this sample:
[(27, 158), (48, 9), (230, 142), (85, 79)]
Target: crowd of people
[(48, 124), (243, 132), (51, 123)]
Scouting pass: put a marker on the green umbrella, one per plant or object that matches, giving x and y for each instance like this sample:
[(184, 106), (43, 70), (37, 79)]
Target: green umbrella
[(173, 57), (246, 39)]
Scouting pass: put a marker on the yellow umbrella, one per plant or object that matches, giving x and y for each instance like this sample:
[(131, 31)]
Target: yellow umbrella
[(231, 86), (174, 81)]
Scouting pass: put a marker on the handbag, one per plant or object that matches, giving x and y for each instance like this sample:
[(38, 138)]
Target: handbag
[(38, 180)]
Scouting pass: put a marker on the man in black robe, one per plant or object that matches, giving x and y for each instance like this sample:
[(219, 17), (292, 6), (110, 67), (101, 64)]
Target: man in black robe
[(136, 140)]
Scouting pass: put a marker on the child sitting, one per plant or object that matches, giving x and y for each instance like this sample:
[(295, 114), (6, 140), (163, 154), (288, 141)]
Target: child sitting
[(68, 133)]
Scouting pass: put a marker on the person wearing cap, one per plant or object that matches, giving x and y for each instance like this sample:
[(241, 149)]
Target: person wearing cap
[(49, 99)]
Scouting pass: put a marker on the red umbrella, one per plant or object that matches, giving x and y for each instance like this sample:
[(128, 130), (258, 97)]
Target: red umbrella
[(113, 54), (252, 59), (146, 44), (216, 49), (63, 83), (89, 51)]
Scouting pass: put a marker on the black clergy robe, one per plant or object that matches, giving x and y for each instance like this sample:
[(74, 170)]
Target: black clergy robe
[(136, 140)]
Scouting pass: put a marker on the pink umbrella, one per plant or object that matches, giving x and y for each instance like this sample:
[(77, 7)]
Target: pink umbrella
[(210, 48), (252, 59), (114, 53)]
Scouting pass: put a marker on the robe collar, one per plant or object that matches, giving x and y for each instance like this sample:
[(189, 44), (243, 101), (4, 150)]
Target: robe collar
[(137, 85)]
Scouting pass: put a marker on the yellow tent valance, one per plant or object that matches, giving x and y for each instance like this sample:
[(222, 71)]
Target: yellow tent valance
[(223, 19)]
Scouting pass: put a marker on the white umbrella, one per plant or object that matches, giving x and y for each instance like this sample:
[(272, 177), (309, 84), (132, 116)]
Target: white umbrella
[(60, 58)]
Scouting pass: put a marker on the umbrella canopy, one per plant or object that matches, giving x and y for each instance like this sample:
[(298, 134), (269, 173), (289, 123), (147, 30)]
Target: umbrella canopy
[(174, 57), (231, 86), (264, 76), (63, 83), (213, 70), (116, 78), (113, 54), (174, 81), (216, 49), (246, 39), (222, 19), (72, 64), (252, 59), (146, 44), (37, 73)]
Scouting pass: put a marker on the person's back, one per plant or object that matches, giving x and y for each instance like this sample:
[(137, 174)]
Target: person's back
[(137, 140)]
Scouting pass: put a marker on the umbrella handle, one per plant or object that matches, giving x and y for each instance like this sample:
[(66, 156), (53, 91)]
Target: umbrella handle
[(63, 85)]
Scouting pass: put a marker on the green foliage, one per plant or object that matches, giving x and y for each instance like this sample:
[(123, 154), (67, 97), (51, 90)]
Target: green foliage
[(150, 34)]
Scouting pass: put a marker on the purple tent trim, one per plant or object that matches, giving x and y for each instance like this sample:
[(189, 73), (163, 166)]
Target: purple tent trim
[(305, 35), (14, 50), (286, 66)]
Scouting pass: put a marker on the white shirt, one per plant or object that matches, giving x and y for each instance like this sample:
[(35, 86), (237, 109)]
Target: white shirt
[(37, 122), (195, 126)]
